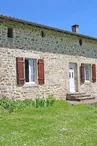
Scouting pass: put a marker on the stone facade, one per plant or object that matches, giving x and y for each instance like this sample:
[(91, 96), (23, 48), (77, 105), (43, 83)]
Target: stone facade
[(57, 48)]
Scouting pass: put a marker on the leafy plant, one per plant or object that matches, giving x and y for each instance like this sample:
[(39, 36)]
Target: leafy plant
[(44, 102), (10, 104)]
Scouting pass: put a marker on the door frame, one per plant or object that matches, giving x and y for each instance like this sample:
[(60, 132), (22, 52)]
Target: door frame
[(76, 78)]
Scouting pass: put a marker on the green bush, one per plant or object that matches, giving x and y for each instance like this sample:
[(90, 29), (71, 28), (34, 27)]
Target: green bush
[(7, 104), (10, 104), (44, 102)]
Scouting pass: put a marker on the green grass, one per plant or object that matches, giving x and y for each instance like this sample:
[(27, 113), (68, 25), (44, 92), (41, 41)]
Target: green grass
[(61, 124)]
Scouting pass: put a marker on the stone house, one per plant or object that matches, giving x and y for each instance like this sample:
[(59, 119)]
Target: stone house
[(38, 60)]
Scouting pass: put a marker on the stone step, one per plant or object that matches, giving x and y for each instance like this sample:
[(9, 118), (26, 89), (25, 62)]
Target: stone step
[(75, 97), (83, 95), (89, 102), (76, 93), (80, 97), (83, 98)]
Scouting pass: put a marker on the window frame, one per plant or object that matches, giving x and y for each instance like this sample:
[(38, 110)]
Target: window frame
[(31, 82), (90, 72)]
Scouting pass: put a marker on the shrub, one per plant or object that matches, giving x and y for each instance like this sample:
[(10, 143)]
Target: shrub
[(44, 102), (10, 104)]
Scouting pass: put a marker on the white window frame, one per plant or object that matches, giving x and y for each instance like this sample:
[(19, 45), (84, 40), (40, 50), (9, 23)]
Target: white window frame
[(35, 71), (88, 66)]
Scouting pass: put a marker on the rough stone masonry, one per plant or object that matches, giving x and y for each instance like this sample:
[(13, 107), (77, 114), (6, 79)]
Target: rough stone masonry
[(57, 48)]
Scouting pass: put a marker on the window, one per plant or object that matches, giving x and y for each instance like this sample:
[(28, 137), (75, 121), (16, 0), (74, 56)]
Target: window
[(10, 33), (42, 34), (87, 71), (80, 42), (30, 71)]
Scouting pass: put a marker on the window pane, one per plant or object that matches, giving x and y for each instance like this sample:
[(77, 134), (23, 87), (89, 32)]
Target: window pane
[(72, 74), (31, 63), (69, 74), (32, 78), (26, 71), (32, 70), (87, 72)]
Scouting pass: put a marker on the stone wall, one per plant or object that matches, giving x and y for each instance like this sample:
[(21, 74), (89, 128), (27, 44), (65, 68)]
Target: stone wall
[(56, 48)]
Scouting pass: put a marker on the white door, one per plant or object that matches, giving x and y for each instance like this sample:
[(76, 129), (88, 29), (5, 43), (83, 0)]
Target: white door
[(72, 79)]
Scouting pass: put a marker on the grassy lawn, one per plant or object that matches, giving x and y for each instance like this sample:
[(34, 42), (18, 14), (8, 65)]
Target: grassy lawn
[(59, 125)]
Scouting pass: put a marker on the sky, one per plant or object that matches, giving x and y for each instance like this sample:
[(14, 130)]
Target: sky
[(56, 13)]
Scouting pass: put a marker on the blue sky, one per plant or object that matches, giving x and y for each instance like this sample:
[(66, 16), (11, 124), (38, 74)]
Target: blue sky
[(57, 13)]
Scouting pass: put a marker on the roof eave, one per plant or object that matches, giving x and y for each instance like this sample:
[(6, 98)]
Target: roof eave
[(46, 27)]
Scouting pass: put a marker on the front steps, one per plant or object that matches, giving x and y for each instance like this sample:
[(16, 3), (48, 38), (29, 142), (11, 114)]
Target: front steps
[(80, 98)]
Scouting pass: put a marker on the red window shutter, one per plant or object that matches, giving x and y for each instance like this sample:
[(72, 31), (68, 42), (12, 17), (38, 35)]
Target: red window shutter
[(93, 73), (82, 73), (20, 70), (41, 71)]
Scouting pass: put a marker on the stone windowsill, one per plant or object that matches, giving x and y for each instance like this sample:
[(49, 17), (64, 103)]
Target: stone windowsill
[(30, 85)]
